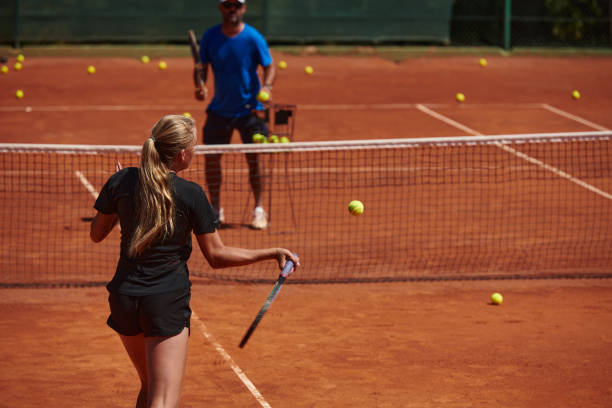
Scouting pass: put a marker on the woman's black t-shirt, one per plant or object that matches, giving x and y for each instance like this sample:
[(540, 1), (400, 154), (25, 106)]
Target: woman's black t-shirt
[(163, 266)]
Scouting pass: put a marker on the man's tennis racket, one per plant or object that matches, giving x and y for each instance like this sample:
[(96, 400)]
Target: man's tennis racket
[(195, 52), (277, 287)]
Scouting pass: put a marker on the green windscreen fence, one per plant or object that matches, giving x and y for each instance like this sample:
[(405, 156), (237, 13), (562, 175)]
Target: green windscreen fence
[(38, 21), (503, 23)]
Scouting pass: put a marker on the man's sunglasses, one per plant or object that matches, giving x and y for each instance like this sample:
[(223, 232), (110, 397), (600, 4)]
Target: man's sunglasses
[(229, 4)]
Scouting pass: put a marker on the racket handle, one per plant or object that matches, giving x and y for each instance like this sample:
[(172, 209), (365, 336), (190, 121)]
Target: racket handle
[(288, 268)]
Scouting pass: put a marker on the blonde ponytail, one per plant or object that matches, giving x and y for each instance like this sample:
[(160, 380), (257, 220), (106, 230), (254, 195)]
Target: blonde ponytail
[(154, 201)]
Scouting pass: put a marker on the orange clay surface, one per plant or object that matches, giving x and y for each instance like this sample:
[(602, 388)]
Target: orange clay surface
[(435, 344), (360, 345)]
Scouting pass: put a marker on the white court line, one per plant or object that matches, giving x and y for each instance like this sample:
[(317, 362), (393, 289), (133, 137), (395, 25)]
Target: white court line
[(251, 387), (306, 107), (92, 190), (521, 155), (573, 117)]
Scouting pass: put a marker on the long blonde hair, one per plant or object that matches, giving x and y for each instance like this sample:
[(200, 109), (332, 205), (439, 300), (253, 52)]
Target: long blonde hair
[(154, 202)]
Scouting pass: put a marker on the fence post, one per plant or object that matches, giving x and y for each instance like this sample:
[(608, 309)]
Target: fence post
[(508, 25)]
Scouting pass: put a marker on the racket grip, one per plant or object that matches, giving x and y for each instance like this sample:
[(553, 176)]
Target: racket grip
[(288, 268)]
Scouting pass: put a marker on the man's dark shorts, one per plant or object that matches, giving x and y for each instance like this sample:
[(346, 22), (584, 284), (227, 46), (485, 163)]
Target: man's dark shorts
[(218, 129), (165, 314)]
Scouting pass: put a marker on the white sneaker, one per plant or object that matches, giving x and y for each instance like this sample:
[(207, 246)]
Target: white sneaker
[(260, 219)]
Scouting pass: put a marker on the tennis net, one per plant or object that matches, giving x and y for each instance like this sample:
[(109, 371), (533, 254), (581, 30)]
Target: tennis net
[(438, 208)]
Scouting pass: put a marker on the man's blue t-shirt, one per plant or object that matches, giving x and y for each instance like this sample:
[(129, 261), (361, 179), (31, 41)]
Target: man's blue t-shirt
[(234, 62)]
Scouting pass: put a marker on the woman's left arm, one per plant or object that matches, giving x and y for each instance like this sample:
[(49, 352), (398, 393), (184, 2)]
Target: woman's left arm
[(102, 225)]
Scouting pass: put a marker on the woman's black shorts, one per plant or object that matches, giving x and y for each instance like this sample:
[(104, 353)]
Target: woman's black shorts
[(165, 314)]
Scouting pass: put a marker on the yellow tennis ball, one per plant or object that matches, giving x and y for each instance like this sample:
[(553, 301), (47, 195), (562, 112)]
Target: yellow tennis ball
[(162, 65), (284, 139), (483, 62), (576, 95), (187, 115), (4, 69), (18, 66), (145, 59), (91, 69), (20, 58), (282, 64), (273, 139), (258, 138), (497, 298), (309, 70), (19, 94), (355, 207), (263, 96), (460, 97)]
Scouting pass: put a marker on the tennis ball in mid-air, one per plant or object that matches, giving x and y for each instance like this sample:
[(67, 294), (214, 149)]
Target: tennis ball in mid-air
[(162, 65), (258, 138), (18, 66), (19, 94), (483, 62), (284, 139), (91, 69), (497, 298), (576, 94), (355, 207), (263, 96), (309, 70), (20, 58), (460, 97), (145, 59), (187, 115), (282, 64), (4, 69), (273, 139)]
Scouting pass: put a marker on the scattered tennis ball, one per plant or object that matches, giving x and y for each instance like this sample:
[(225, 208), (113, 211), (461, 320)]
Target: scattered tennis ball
[(273, 139), (19, 94), (309, 70), (460, 97), (282, 65), (263, 96), (145, 59), (91, 69), (258, 138), (18, 66), (4, 69), (355, 207), (20, 58), (576, 94), (284, 139), (497, 298), (162, 65), (483, 62), (187, 115)]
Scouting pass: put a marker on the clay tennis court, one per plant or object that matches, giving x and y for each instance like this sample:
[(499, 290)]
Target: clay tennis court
[(409, 344)]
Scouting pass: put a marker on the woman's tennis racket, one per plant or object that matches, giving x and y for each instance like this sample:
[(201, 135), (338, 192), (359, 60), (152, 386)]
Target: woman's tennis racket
[(277, 287)]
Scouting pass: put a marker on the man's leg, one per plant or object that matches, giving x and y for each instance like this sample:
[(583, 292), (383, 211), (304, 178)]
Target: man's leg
[(217, 130)]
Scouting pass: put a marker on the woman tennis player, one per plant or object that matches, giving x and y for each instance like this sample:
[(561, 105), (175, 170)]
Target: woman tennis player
[(150, 291)]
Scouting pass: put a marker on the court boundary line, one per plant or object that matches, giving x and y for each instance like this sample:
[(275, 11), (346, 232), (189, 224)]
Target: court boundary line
[(517, 153), (88, 186), (305, 107), (228, 359), (573, 117)]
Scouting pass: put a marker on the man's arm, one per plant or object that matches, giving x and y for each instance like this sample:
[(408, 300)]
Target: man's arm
[(200, 73), (268, 78)]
